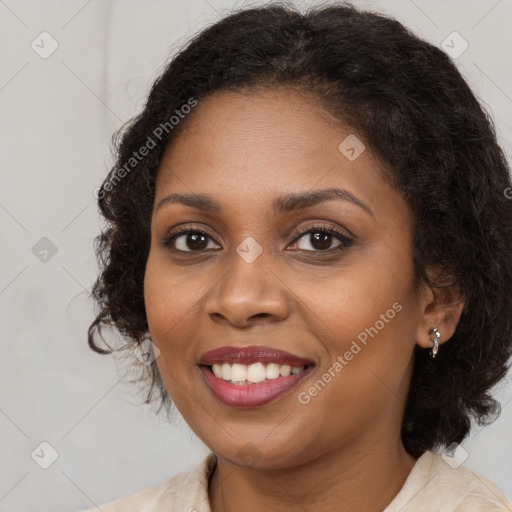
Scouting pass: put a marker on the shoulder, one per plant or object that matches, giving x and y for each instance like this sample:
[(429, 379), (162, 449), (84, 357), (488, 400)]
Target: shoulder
[(183, 492), (437, 485)]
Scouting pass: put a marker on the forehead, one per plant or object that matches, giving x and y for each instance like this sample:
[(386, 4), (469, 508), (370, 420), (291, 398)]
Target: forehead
[(251, 146), (262, 122)]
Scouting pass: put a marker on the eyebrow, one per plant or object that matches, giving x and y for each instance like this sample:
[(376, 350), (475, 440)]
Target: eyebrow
[(284, 204)]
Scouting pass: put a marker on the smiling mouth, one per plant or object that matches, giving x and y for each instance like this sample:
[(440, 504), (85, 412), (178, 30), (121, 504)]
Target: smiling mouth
[(248, 375), (252, 376)]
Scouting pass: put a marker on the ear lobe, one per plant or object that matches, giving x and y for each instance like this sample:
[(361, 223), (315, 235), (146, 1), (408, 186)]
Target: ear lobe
[(442, 308)]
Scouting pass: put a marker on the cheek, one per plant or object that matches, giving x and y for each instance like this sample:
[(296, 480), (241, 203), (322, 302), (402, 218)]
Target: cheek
[(169, 308), (171, 294), (370, 291), (369, 339), (365, 318), (171, 304)]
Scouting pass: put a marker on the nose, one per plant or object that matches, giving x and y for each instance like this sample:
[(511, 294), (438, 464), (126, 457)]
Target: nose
[(249, 293)]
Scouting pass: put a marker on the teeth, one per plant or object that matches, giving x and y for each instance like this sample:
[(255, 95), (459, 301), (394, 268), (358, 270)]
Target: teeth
[(272, 371), (253, 373), (226, 371), (238, 372), (285, 370), (217, 370)]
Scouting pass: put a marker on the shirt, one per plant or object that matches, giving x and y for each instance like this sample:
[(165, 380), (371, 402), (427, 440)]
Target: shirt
[(432, 486)]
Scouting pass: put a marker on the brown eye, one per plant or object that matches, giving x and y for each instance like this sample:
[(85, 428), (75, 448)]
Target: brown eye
[(316, 241), (191, 240), (322, 240), (194, 241)]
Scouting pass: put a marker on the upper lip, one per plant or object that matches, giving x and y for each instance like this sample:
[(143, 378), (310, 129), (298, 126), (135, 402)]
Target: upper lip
[(252, 354)]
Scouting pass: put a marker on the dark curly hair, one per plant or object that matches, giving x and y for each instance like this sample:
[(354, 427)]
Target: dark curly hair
[(409, 103)]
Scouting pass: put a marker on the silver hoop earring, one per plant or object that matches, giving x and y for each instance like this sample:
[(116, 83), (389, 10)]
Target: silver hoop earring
[(433, 336)]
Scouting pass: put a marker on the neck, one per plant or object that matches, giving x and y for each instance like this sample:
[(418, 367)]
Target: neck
[(365, 478)]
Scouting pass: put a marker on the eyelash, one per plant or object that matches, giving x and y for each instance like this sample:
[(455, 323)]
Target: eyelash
[(345, 241)]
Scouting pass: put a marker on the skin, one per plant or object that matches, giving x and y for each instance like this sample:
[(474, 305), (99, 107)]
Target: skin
[(343, 446)]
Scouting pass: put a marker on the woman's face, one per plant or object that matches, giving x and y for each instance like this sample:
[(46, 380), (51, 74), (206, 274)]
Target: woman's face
[(264, 176)]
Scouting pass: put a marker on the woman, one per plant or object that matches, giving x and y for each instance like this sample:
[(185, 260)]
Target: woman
[(308, 239)]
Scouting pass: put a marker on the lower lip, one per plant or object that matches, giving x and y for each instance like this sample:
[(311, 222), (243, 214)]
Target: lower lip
[(251, 395)]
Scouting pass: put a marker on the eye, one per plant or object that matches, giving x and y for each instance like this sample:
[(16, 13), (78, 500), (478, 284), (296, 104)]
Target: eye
[(321, 239), (190, 240)]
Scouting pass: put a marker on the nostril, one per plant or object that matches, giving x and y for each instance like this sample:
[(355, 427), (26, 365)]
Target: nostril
[(260, 315)]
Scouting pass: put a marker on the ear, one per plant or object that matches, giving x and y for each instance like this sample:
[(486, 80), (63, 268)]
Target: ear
[(441, 308)]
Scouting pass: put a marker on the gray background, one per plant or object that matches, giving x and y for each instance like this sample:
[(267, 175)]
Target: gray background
[(58, 114)]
